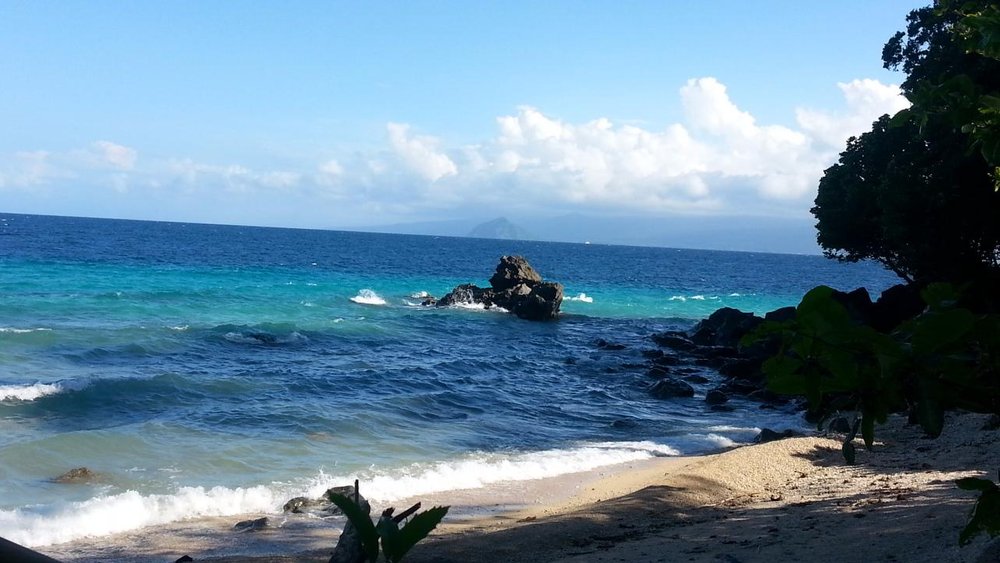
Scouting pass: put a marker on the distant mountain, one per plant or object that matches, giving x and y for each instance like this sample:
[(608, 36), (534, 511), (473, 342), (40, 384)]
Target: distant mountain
[(499, 228), (749, 234)]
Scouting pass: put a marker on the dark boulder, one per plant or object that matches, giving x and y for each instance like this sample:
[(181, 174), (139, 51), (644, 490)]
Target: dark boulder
[(858, 304), (512, 271), (515, 287), (541, 304), (77, 475), (467, 294), (669, 388), (674, 340), (695, 378), (716, 397), (767, 435), (897, 304), (724, 327), (605, 345), (781, 315), (251, 525)]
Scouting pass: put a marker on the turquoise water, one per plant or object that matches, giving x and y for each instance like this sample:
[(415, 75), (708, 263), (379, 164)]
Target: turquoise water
[(210, 370)]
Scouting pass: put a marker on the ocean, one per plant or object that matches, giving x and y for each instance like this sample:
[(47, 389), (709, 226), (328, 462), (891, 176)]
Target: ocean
[(205, 370)]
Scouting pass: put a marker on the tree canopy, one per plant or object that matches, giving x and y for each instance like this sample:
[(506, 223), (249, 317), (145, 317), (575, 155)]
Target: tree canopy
[(918, 192)]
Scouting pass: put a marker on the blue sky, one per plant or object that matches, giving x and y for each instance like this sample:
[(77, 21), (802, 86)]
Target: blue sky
[(331, 114)]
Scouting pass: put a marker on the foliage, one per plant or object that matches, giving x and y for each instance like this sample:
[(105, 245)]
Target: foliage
[(947, 357), (914, 193), (395, 541)]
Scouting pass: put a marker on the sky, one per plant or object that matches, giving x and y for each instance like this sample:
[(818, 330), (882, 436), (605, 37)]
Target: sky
[(339, 115)]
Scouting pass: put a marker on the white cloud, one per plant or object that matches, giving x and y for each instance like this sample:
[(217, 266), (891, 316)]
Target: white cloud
[(719, 158), (419, 153), (866, 99), (116, 155)]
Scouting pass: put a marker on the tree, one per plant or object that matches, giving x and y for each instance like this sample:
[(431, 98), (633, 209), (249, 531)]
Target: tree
[(914, 193)]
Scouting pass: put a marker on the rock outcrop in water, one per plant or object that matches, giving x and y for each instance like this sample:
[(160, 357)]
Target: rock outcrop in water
[(516, 287)]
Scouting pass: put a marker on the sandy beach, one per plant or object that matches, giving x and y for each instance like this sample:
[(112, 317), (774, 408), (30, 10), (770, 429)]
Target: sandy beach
[(789, 500)]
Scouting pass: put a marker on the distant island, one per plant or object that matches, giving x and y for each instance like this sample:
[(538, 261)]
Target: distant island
[(499, 228)]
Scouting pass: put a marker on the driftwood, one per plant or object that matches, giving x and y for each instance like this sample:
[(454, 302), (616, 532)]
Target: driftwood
[(349, 547)]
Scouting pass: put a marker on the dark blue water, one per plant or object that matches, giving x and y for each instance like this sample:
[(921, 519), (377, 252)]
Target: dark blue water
[(241, 366)]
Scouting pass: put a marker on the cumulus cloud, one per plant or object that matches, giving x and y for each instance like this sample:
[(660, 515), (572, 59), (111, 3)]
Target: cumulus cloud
[(419, 153), (116, 155), (866, 99), (719, 158)]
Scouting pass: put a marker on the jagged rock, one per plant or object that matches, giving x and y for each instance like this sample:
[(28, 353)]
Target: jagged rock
[(858, 304), (724, 327), (669, 388), (541, 304), (675, 340), (716, 397), (467, 294), (512, 271), (251, 525), (781, 315), (740, 368), (322, 506), (896, 304), (516, 287), (184, 559), (76, 475)]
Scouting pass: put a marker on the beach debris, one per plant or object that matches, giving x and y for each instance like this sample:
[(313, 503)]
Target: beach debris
[(251, 525), (77, 475), (515, 287)]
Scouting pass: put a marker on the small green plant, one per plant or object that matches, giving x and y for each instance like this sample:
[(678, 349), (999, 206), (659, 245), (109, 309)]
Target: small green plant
[(394, 541)]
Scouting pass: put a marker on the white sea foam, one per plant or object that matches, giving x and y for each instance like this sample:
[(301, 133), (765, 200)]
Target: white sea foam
[(720, 441), (12, 330), (478, 307), (481, 469), (37, 390), (108, 514), (680, 298), (368, 297), (582, 297), (27, 392), (41, 525), (179, 328), (698, 297), (420, 295)]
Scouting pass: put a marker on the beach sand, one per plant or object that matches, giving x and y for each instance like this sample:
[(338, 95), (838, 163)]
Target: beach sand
[(790, 500)]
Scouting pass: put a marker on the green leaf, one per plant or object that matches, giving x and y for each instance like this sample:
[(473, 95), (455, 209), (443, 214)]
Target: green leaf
[(361, 521), (976, 484), (849, 452), (783, 375), (418, 528), (937, 330)]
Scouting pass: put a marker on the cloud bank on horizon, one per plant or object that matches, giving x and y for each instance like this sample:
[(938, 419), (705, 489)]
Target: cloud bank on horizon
[(718, 160)]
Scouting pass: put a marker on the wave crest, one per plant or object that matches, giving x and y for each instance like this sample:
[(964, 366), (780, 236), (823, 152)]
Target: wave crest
[(368, 297)]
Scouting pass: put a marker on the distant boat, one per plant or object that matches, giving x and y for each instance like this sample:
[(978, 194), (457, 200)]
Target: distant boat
[(586, 242)]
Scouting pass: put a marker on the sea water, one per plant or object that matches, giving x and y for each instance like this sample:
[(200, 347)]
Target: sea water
[(204, 370)]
